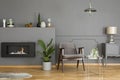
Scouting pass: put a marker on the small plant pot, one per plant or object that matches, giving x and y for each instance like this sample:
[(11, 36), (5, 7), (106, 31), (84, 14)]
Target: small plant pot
[(47, 65)]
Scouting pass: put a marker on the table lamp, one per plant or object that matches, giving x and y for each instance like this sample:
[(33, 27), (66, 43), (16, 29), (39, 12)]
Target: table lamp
[(111, 31)]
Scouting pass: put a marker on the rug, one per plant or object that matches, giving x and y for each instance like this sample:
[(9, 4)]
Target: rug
[(15, 76)]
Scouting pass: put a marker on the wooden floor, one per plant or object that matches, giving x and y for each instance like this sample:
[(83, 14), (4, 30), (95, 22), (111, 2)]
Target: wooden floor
[(93, 72)]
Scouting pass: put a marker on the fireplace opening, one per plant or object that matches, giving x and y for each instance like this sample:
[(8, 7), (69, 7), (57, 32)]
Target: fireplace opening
[(18, 49)]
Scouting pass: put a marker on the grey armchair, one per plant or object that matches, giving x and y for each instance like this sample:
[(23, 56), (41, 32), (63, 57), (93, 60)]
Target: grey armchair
[(68, 51)]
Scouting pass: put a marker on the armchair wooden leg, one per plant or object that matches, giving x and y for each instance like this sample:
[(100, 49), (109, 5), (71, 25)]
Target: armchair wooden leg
[(77, 63), (83, 65), (59, 59), (58, 64), (62, 66)]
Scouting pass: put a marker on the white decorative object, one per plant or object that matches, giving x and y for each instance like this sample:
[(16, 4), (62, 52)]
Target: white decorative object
[(4, 23), (111, 31), (94, 54), (43, 24), (49, 22), (10, 23), (47, 65)]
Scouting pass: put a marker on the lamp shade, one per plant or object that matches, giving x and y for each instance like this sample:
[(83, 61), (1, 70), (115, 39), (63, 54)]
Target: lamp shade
[(111, 30)]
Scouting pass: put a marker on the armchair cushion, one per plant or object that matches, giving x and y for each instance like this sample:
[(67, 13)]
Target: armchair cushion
[(72, 56)]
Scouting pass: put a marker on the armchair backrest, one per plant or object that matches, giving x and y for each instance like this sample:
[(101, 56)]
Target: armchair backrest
[(69, 47)]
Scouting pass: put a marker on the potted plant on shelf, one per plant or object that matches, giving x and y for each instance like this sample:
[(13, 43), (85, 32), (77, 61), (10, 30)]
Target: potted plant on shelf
[(46, 53)]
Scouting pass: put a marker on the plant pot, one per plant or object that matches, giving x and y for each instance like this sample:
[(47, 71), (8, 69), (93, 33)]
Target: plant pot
[(47, 65)]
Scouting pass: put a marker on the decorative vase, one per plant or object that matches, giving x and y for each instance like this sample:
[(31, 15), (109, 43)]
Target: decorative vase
[(43, 24), (38, 24), (47, 65), (4, 23), (39, 20)]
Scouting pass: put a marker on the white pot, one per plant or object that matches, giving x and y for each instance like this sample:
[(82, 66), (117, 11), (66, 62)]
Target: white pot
[(47, 65)]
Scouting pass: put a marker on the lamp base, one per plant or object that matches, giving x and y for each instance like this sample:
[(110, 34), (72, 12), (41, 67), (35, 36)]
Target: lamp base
[(111, 40)]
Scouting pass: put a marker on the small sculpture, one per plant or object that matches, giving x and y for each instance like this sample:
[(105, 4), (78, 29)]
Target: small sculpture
[(94, 53), (10, 23), (29, 25)]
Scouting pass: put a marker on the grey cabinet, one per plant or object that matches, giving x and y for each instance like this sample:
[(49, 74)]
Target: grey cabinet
[(110, 49)]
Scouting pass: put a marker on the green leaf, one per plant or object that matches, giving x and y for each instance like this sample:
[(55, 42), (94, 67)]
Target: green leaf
[(47, 51), (50, 42), (42, 44), (51, 50), (46, 59)]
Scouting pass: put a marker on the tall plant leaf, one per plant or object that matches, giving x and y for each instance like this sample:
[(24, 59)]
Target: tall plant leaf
[(47, 50), (50, 42), (51, 50), (42, 44)]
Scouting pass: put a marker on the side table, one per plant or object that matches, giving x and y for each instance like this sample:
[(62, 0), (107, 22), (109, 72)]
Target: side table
[(98, 71), (100, 60)]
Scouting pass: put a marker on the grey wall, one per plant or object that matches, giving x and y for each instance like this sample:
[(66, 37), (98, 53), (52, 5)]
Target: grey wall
[(68, 18)]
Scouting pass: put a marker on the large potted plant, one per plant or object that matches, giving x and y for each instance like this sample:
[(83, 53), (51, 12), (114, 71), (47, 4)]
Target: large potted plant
[(46, 53)]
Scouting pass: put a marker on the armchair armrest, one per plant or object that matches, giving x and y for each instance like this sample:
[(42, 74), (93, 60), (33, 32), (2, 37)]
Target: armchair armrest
[(81, 50), (62, 51)]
